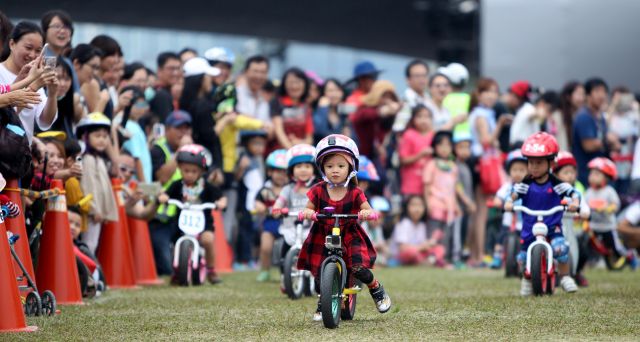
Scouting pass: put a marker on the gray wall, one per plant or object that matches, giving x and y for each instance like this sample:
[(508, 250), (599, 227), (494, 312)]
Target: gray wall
[(551, 41)]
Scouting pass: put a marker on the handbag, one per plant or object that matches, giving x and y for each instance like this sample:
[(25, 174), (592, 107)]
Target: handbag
[(492, 174)]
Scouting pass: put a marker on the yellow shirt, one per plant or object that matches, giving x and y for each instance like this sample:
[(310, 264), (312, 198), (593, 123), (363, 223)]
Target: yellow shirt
[(229, 138)]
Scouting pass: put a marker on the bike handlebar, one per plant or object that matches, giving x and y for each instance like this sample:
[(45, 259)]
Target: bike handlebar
[(200, 206), (317, 216), (548, 212)]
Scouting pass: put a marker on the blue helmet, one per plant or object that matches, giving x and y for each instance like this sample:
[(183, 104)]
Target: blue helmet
[(298, 154), (277, 159), (514, 156), (381, 204), (367, 170)]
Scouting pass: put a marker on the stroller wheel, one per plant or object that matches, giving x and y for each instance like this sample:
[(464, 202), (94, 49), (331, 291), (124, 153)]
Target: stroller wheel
[(48, 303), (33, 304)]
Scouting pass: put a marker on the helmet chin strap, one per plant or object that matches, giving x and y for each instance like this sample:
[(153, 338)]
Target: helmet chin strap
[(343, 184), (305, 184)]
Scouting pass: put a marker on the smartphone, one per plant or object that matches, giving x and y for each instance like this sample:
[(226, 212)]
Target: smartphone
[(150, 189), (79, 159), (346, 109), (50, 62), (158, 130)]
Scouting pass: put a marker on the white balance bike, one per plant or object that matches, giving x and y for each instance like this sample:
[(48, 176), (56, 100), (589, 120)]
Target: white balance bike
[(188, 256)]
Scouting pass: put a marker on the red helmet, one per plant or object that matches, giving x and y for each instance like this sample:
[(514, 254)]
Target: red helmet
[(604, 165), (565, 158), (540, 145)]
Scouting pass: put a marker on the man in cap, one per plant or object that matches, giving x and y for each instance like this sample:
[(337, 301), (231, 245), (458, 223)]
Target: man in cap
[(365, 74)]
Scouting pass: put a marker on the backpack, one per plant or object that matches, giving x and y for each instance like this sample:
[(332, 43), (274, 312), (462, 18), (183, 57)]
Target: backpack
[(15, 153)]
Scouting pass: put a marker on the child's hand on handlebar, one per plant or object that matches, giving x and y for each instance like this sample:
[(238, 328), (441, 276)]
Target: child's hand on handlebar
[(508, 206), (307, 213), (221, 203), (367, 215), (574, 206)]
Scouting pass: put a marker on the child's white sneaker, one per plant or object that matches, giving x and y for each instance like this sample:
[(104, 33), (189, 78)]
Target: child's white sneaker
[(568, 284), (317, 316), (381, 298), (526, 289)]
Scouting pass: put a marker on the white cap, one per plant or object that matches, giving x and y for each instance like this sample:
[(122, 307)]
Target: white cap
[(456, 73), (198, 66), (220, 54)]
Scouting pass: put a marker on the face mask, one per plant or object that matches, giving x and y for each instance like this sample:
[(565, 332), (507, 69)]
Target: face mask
[(149, 93)]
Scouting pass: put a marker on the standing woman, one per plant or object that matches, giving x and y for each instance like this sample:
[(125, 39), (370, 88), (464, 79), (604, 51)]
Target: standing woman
[(24, 46), (329, 117), (572, 98), (196, 100), (440, 87), (484, 136), (290, 113), (86, 63)]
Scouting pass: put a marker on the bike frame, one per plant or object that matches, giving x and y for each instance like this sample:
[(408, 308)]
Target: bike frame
[(198, 252), (540, 230)]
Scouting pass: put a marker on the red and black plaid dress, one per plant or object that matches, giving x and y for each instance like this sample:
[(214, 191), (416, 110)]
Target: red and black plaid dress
[(356, 246)]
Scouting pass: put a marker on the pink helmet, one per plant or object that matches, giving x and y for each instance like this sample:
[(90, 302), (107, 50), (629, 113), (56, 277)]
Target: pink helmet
[(193, 154), (540, 145)]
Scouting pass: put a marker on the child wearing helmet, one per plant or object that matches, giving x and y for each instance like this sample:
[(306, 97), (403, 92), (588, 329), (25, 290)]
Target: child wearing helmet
[(337, 158), (566, 170), (94, 131), (193, 162), (604, 203), (301, 171), (250, 177), (516, 165), (276, 165), (541, 190), (367, 173)]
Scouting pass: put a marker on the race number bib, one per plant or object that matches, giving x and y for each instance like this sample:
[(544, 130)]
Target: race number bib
[(191, 222)]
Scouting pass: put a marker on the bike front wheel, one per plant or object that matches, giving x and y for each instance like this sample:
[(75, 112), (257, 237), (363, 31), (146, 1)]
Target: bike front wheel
[(331, 295), (184, 271), (294, 281), (539, 270)]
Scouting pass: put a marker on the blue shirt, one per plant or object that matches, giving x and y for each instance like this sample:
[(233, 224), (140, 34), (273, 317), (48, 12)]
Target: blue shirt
[(542, 197), (137, 146), (587, 126)]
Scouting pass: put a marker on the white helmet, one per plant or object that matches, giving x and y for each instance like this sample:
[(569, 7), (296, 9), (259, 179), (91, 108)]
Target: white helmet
[(219, 54), (338, 143), (456, 73)]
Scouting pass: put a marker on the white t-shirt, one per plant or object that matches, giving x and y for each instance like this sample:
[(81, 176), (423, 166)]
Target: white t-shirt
[(635, 170), (632, 214), (524, 124), (28, 115), (406, 232), (440, 115), (254, 106)]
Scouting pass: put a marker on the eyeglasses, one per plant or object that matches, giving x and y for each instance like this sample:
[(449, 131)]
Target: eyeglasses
[(60, 27), (440, 85), (124, 168)]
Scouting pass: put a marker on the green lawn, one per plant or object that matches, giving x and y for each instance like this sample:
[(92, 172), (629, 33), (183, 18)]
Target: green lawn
[(427, 304)]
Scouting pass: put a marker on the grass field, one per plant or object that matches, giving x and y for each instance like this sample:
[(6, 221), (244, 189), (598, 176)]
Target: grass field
[(428, 304)]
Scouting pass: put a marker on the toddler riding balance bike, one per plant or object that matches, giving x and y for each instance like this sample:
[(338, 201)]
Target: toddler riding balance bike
[(188, 256), (540, 266), (296, 282), (338, 287)]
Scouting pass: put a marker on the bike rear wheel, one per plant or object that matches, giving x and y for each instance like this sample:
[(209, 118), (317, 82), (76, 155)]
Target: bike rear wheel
[(331, 295), (294, 280), (512, 248), (538, 270), (184, 271), (350, 300)]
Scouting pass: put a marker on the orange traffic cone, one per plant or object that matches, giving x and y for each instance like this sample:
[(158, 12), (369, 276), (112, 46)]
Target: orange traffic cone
[(12, 317), (144, 264), (114, 250), (16, 226), (57, 270), (224, 254)]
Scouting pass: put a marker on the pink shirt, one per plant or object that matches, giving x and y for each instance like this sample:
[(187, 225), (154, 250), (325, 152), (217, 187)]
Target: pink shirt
[(411, 144), (442, 176)]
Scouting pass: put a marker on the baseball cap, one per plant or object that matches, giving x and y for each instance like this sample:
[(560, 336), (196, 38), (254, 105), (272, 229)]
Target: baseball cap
[(520, 88), (198, 66), (178, 118)]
